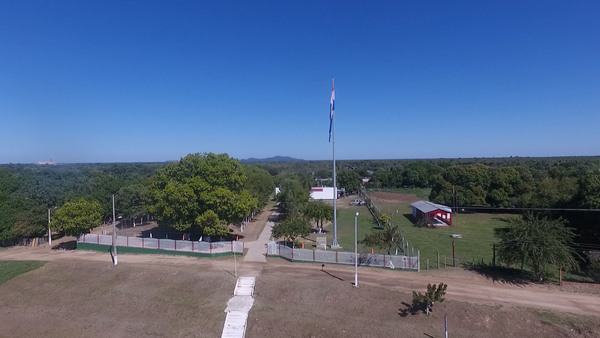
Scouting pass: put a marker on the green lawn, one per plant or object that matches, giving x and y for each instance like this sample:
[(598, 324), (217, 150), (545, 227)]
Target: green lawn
[(345, 228), (477, 232), (11, 269)]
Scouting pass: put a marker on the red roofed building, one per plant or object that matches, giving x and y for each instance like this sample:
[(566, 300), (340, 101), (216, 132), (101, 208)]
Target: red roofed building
[(435, 214)]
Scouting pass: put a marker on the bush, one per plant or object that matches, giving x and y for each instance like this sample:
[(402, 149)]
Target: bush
[(424, 302)]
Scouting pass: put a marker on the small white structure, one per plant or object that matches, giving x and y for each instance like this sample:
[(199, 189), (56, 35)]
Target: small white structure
[(322, 243), (322, 193)]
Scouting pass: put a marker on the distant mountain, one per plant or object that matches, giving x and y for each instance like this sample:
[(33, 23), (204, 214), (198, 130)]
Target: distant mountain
[(273, 159)]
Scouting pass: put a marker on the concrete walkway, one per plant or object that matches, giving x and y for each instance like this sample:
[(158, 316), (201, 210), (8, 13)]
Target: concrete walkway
[(239, 306), (257, 250)]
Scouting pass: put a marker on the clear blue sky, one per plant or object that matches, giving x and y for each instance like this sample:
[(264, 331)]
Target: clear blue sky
[(114, 81)]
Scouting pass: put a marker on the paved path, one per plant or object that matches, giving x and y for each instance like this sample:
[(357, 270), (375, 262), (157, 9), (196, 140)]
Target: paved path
[(257, 250)]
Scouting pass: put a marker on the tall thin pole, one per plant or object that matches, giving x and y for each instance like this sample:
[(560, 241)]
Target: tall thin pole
[(334, 244), (355, 251), (114, 232), (49, 230)]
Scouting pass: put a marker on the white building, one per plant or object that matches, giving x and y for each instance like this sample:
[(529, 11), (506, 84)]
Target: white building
[(321, 193)]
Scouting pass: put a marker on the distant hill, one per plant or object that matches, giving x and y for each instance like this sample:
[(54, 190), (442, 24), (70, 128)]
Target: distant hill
[(273, 159)]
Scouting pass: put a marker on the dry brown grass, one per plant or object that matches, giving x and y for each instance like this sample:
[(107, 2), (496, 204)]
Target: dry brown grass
[(325, 304), (94, 299)]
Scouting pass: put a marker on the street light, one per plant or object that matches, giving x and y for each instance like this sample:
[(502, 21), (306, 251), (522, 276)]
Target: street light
[(355, 252)]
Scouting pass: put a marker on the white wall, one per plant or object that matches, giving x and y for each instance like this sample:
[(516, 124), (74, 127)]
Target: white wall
[(321, 193)]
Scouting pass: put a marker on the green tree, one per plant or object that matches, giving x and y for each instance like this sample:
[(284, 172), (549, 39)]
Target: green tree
[(182, 193), (31, 223), (386, 239), (75, 218), (131, 201), (537, 242), (291, 228), (348, 179), (384, 219), (259, 184), (424, 302), (319, 212), (292, 196)]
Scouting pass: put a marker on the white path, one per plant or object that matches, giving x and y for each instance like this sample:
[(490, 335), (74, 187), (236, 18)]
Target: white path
[(241, 303), (238, 308)]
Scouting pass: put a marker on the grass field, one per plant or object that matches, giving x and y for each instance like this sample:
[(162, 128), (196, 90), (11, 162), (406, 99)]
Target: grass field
[(11, 269), (475, 246)]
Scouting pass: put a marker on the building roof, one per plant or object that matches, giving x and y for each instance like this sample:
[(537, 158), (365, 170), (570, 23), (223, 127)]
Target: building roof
[(426, 207)]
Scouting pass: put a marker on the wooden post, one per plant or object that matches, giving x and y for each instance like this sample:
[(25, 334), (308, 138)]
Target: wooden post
[(453, 255), (559, 276)]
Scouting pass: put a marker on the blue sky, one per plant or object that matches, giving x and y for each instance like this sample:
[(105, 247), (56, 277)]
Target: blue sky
[(127, 81)]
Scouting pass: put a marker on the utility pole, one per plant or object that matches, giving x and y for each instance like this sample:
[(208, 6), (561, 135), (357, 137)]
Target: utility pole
[(114, 232), (453, 255), (49, 230), (355, 251)]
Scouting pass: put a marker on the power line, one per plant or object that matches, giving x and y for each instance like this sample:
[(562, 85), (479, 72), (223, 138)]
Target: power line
[(531, 209)]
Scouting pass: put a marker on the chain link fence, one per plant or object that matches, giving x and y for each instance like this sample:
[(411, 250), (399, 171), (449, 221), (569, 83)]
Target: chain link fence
[(346, 258), (164, 244)]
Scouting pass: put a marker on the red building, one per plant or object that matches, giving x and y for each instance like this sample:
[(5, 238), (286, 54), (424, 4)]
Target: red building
[(435, 214)]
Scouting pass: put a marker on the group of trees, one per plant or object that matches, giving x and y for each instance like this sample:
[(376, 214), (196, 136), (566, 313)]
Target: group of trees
[(228, 192), (297, 211)]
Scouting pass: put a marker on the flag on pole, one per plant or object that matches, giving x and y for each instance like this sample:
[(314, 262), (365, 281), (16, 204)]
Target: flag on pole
[(331, 107)]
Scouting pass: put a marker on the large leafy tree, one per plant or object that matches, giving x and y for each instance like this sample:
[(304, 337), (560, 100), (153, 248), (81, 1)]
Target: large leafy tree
[(537, 242), (348, 179), (291, 228), (292, 196), (318, 211), (131, 200), (201, 190), (77, 217), (259, 184)]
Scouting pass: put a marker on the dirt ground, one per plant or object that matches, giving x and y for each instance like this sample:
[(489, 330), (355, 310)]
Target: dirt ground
[(183, 296), (80, 293), (317, 303), (82, 298), (394, 197)]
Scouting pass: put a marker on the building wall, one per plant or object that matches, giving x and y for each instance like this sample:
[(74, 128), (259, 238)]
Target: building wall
[(321, 193)]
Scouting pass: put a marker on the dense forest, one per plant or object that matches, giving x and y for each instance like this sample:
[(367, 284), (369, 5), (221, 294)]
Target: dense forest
[(568, 187), (28, 191)]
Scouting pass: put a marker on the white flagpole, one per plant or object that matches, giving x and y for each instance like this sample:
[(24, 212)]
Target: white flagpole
[(334, 244)]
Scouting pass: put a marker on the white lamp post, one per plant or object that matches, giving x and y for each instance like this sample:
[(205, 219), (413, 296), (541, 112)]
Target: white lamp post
[(355, 251)]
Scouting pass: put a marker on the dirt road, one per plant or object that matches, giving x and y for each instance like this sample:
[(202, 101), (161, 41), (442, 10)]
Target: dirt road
[(463, 285)]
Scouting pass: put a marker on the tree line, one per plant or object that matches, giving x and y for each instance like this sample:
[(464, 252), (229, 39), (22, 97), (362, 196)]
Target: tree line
[(229, 189)]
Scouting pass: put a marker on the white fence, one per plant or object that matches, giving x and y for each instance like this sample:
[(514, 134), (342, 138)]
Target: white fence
[(164, 244), (347, 258)]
